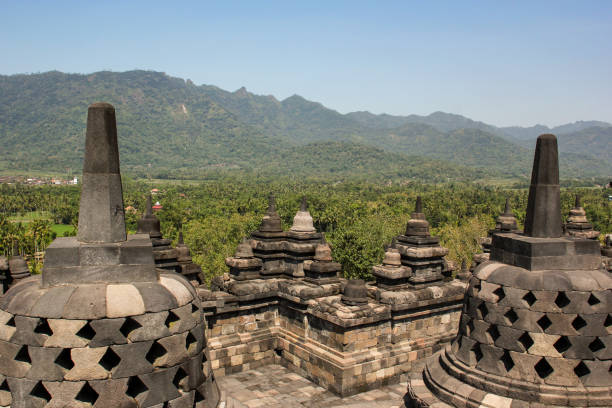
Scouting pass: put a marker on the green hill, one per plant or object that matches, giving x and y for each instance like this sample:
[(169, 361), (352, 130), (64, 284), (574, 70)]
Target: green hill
[(169, 127)]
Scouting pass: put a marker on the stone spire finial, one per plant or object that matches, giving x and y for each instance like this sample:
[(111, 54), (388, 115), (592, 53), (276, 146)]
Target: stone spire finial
[(418, 207), (271, 203), (149, 206), (180, 237), (507, 208), (15, 248), (303, 204), (577, 201), (101, 216), (543, 218)]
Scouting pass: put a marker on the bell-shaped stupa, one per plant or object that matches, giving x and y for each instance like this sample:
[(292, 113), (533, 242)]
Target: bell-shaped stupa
[(536, 324), (102, 326)]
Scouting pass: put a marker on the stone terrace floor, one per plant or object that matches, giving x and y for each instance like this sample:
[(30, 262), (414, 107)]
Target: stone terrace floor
[(274, 386)]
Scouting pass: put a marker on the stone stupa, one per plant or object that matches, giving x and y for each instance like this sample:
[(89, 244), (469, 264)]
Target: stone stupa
[(536, 325), (102, 326)]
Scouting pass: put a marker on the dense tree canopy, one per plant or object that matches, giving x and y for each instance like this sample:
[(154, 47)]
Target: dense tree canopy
[(358, 218)]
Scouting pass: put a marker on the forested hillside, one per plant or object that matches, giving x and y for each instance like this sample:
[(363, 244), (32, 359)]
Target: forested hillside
[(172, 128)]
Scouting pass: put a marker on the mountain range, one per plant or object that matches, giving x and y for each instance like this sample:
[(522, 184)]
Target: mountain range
[(170, 127)]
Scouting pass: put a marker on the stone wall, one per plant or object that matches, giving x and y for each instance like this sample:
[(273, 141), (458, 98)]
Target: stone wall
[(306, 328)]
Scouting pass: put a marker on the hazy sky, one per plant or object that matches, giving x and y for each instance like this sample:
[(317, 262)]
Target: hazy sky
[(502, 62)]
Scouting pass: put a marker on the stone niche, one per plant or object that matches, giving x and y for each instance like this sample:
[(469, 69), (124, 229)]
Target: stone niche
[(344, 335)]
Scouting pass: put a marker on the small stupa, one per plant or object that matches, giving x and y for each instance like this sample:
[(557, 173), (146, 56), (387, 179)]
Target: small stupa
[(420, 253), (165, 256), (322, 269), (18, 266), (302, 222), (187, 268), (243, 265), (505, 222), (577, 224)]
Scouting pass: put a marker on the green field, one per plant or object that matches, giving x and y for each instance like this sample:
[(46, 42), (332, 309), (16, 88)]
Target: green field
[(61, 229), (58, 229)]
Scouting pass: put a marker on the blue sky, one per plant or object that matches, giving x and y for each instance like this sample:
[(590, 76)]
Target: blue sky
[(502, 62)]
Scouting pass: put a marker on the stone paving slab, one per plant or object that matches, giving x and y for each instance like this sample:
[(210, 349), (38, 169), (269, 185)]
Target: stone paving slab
[(274, 386)]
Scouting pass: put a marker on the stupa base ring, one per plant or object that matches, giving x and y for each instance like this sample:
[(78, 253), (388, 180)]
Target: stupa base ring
[(447, 382)]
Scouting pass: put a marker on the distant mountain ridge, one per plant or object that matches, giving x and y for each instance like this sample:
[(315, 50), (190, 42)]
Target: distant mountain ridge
[(173, 128)]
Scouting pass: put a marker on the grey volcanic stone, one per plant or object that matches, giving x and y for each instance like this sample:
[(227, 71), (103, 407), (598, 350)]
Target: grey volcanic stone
[(101, 217), (543, 218)]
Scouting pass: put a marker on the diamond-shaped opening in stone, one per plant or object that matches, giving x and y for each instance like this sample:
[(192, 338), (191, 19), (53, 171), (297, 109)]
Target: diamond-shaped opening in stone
[(156, 351), (581, 369), (483, 310), (171, 319), (64, 359), (579, 323), (470, 327), (477, 352), (477, 285), (39, 391), (562, 300), (493, 332), (596, 345), (506, 359), (543, 369), (87, 394), (499, 292), (544, 322), (129, 326), (608, 321), (526, 340), (530, 298), (198, 397), (190, 341), (23, 355), (179, 377), (135, 387), (109, 360), (511, 316), (562, 344), (4, 386), (593, 300), (42, 327), (87, 332), (11, 322)]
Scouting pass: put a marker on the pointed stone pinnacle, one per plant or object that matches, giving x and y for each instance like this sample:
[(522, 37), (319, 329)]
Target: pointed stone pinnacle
[(180, 238), (101, 215), (418, 208), (577, 202), (507, 208), (15, 248), (303, 204), (271, 204), (149, 207), (543, 218)]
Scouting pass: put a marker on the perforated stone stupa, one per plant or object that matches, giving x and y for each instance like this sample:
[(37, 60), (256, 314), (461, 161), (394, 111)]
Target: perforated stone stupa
[(536, 324), (102, 326)]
